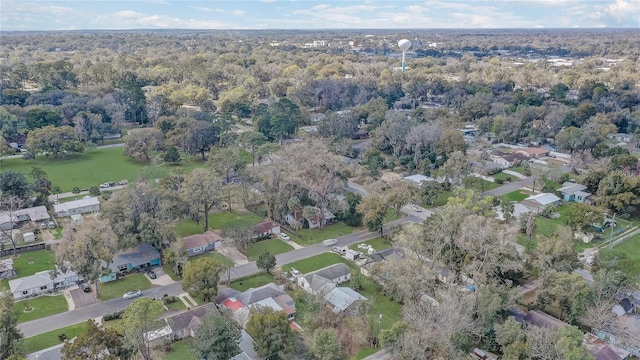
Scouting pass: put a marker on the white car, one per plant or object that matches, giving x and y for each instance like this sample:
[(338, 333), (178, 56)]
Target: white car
[(284, 237), (416, 208), (132, 294), (330, 242)]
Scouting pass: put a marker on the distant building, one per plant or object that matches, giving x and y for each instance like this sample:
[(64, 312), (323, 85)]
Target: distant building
[(572, 192), (539, 202), (266, 229), (201, 243), (82, 206), (534, 153), (324, 280)]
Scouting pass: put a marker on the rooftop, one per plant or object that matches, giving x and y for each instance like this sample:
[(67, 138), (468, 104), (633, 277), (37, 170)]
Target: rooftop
[(76, 204), (198, 240), (342, 297)]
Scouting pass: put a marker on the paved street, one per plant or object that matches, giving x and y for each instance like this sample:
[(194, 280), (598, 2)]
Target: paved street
[(68, 318)]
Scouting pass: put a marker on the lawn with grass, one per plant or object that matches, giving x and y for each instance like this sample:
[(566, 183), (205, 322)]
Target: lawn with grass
[(627, 255), (29, 263), (390, 310), (504, 177), (273, 246), (40, 307), (440, 200), (378, 244), (253, 281), (516, 196), (216, 256), (51, 338), (168, 269), (318, 262), (117, 288), (176, 305), (180, 350), (218, 221), (314, 236), (391, 215)]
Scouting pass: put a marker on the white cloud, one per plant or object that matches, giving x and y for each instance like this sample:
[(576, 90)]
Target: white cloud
[(623, 12), (239, 12), (201, 8)]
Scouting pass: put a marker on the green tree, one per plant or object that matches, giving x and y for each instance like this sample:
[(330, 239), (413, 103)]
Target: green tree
[(252, 140), (141, 142), (326, 345), (198, 137), (94, 191), (13, 183), (266, 262), (55, 141), (580, 216), (76, 190), (373, 208), (37, 118), (373, 162), (217, 338), (429, 191), (10, 335), (84, 247), (225, 162), (201, 278), (172, 155), (270, 331), (141, 317), (95, 343), (41, 184), (8, 124), (201, 189)]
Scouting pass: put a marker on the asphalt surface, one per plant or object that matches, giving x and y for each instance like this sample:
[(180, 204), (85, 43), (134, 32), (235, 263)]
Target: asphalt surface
[(81, 298), (511, 187), (80, 315)]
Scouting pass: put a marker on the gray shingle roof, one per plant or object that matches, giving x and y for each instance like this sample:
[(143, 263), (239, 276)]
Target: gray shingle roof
[(263, 292), (342, 297), (37, 280), (330, 272)]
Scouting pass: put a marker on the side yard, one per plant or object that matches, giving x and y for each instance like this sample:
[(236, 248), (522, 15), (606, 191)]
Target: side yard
[(117, 288), (218, 221), (274, 246), (30, 263)]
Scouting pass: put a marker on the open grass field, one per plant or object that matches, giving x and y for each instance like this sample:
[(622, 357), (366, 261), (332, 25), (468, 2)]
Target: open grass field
[(180, 350), (217, 256), (627, 256), (40, 307), (314, 236), (318, 262), (50, 338), (515, 196), (274, 246), (504, 177), (378, 244), (94, 167), (253, 281), (30, 263), (117, 288), (218, 221)]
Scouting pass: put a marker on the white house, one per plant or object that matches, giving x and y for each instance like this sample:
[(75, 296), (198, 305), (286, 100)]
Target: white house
[(418, 179), (324, 280), (41, 283), (82, 206), (540, 201)]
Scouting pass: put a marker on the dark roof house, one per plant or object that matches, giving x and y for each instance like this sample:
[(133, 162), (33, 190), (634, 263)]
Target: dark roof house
[(201, 243)]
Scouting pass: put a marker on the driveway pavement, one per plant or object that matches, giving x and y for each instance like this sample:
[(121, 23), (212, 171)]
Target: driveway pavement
[(81, 298), (161, 279)]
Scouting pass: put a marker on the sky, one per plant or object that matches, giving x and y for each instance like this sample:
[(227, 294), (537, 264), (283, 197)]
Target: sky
[(311, 14)]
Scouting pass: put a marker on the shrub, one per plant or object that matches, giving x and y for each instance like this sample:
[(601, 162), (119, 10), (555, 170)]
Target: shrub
[(169, 299), (499, 181), (508, 178), (63, 337), (113, 316)]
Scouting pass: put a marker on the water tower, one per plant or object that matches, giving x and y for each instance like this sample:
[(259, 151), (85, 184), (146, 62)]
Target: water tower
[(404, 45)]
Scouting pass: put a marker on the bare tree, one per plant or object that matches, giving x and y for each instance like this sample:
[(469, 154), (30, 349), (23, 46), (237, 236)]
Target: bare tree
[(10, 204)]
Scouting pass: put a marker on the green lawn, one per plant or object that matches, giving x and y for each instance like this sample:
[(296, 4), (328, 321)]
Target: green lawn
[(218, 221), (216, 256), (30, 263), (93, 167), (440, 200), (117, 288), (318, 262), (391, 215), (40, 307), (503, 176), (169, 271), (378, 244), (180, 350), (50, 338), (253, 281), (274, 246), (515, 196), (627, 255), (307, 237), (391, 311), (178, 305)]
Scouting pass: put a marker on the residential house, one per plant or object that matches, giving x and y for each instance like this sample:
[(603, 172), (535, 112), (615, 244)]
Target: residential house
[(6, 269), (620, 137), (247, 349), (50, 353), (266, 229), (622, 331), (542, 319), (480, 354), (42, 282), (314, 222), (201, 243), (389, 254), (269, 295), (508, 160), (533, 153), (324, 280), (138, 258), (186, 323), (572, 192), (82, 206), (342, 299), (418, 179), (539, 202), (601, 350), (37, 214)]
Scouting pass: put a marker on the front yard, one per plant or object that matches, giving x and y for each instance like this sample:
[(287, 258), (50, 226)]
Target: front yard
[(253, 281), (29, 263), (51, 338), (318, 262), (309, 237), (216, 256), (627, 256), (516, 196), (218, 221), (117, 288), (274, 246), (40, 307), (180, 350), (378, 244)]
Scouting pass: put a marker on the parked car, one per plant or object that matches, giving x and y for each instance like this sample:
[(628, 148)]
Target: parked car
[(152, 274), (284, 237), (107, 184), (132, 294), (330, 242), (416, 208), (85, 287)]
